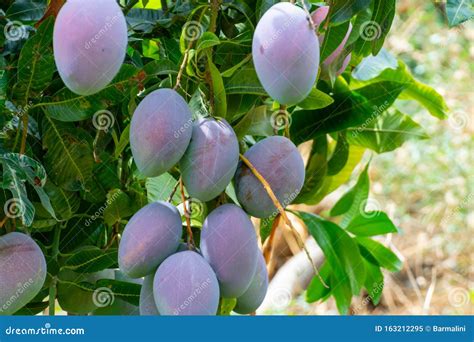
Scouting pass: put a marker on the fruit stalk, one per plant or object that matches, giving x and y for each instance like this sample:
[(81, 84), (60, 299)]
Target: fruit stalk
[(283, 214), (191, 244)]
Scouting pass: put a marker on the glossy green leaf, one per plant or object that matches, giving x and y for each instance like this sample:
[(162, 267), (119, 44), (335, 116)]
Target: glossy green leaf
[(384, 256), (459, 11), (371, 223)]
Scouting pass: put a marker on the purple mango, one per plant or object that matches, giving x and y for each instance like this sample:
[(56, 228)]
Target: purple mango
[(90, 41), (277, 159), (255, 294), (22, 271), (186, 285), (160, 131), (151, 235), (229, 244), (211, 159), (285, 52)]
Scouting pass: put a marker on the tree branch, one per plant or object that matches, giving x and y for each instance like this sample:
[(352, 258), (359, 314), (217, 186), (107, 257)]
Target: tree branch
[(283, 214)]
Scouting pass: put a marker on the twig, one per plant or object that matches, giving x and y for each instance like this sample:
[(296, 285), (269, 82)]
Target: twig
[(130, 6), (183, 66), (170, 198), (52, 10), (215, 4), (283, 214), (191, 244)]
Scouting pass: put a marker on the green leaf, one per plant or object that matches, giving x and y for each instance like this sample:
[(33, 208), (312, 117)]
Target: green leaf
[(340, 250), (384, 256), (69, 158), (459, 11), (353, 201), (129, 292), (316, 290), (263, 6), (118, 206), (316, 170), (372, 66), (386, 133), (160, 188), (67, 106), (207, 40), (26, 10), (92, 259), (3, 81), (231, 71), (342, 10), (350, 109), (371, 224), (36, 63), (383, 14), (316, 100), (332, 39), (341, 290), (412, 89), (374, 282), (266, 225), (31, 171), (339, 157), (257, 122), (244, 81), (218, 91), (123, 142), (65, 203), (226, 306)]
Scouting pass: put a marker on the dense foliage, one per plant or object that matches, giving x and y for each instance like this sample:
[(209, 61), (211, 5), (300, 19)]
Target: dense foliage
[(68, 178)]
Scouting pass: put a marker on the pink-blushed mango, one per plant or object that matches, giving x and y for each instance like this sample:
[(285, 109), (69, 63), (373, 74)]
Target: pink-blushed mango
[(147, 300), (211, 159), (277, 159), (160, 131), (151, 235), (285, 52), (255, 294), (90, 41), (186, 285), (229, 244), (22, 271)]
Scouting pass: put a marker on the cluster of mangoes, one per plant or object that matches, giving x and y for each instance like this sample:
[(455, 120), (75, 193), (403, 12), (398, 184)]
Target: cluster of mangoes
[(90, 41)]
